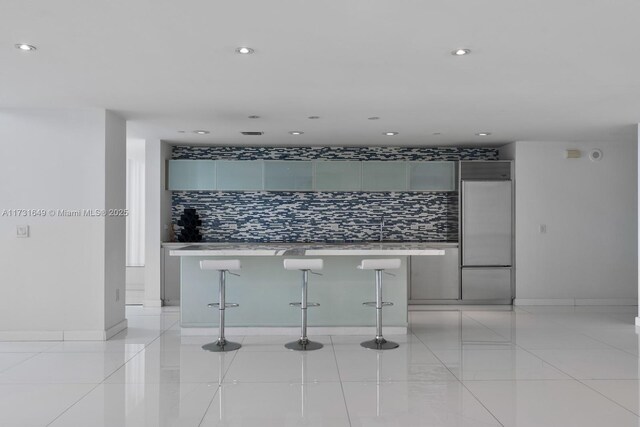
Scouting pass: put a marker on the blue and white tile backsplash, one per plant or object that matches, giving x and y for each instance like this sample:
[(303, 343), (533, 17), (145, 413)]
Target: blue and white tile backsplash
[(278, 216), (334, 153)]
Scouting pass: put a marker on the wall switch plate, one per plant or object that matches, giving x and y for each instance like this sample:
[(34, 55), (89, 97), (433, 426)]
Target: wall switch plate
[(22, 231), (543, 228)]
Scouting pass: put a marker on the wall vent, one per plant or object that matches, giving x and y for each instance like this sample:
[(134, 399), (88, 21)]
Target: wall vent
[(252, 133)]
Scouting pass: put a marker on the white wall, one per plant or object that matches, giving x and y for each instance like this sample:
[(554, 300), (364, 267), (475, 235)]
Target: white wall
[(157, 218), (589, 252), (56, 282), (115, 170), (135, 202)]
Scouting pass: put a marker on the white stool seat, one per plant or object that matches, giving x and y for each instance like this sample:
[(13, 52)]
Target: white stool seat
[(220, 264), (380, 264), (303, 264)]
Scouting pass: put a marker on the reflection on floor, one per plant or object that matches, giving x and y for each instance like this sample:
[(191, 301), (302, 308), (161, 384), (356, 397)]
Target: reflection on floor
[(532, 366)]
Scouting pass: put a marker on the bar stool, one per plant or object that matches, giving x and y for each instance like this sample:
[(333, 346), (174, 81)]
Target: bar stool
[(222, 266), (379, 265), (306, 266)]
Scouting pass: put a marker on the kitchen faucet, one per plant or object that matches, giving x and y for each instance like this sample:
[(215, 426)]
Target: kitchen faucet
[(381, 228)]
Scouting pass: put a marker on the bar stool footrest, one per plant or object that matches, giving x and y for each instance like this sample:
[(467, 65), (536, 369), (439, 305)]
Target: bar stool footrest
[(227, 305), (373, 304), (309, 304)]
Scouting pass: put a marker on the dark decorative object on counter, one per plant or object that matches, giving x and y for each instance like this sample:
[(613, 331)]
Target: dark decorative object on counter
[(189, 221)]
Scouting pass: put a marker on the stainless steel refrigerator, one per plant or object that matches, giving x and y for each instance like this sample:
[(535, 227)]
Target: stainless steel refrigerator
[(486, 232)]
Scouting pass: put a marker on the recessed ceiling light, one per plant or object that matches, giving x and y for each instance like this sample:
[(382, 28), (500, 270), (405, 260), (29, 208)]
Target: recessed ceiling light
[(483, 133), (374, 118), (390, 133), (314, 117), (245, 50), (461, 52), (296, 132), (201, 132), (25, 47), (254, 117)]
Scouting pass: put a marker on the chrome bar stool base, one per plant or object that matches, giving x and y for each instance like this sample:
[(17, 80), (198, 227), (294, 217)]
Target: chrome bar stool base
[(219, 346), (379, 344), (303, 345), (223, 267), (379, 266), (306, 266)]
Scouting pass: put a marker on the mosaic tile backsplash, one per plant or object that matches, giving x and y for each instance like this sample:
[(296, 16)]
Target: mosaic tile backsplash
[(264, 216), (334, 153)]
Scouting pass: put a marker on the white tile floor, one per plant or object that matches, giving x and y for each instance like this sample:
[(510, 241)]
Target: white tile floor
[(532, 366)]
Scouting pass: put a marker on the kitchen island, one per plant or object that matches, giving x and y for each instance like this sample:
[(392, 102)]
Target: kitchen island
[(264, 289)]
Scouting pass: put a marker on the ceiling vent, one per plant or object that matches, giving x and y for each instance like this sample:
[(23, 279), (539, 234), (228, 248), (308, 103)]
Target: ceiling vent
[(252, 133)]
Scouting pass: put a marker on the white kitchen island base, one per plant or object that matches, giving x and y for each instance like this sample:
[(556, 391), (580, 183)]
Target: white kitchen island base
[(264, 289)]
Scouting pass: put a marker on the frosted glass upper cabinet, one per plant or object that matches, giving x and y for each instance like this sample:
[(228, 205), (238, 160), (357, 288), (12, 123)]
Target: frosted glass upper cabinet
[(192, 175), (288, 175), (384, 176), (239, 175), (432, 176), (338, 175)]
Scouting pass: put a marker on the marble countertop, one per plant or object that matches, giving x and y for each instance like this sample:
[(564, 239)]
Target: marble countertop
[(308, 249)]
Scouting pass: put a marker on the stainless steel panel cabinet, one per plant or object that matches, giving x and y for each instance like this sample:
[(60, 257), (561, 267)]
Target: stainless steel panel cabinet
[(435, 277), (486, 223), (486, 284), (171, 279)]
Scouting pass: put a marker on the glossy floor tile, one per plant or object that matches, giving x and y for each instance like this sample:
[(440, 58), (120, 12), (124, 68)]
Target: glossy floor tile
[(593, 364), (278, 405), (144, 405), (549, 403), (477, 366), (415, 404), (9, 360), (153, 366), (624, 392), (71, 368), (37, 404), (506, 364), (412, 361), (288, 367)]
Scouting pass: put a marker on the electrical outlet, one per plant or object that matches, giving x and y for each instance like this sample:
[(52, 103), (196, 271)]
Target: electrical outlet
[(22, 231), (117, 295)]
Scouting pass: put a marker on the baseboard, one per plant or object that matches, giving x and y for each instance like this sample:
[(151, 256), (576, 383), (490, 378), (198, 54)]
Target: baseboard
[(116, 329), (31, 335), (152, 303), (607, 301), (90, 335), (293, 331), (576, 301), (558, 301), (95, 335)]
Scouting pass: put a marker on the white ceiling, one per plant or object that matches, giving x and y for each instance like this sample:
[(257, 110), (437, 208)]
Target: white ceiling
[(540, 69)]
